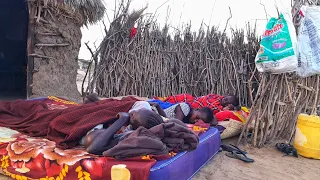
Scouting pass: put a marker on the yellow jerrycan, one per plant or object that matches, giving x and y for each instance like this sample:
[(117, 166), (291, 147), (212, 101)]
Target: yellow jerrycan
[(307, 137)]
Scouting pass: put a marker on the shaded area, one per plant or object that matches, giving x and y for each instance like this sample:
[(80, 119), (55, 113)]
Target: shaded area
[(13, 45)]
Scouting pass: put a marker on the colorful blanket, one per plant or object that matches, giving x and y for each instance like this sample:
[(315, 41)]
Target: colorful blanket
[(23, 157), (212, 101)]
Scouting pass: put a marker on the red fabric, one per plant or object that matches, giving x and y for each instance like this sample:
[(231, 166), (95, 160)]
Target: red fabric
[(45, 161), (226, 115), (211, 100), (202, 124), (133, 32), (64, 126), (199, 127)]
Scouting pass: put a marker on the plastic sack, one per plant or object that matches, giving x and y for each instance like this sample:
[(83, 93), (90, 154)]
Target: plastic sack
[(277, 53), (309, 42)]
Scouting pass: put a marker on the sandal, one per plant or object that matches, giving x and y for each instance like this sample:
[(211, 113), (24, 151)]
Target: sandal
[(288, 149), (240, 156), (232, 148)]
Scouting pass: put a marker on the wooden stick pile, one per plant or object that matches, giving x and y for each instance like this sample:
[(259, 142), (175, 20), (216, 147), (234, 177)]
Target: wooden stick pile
[(280, 99), (158, 63)]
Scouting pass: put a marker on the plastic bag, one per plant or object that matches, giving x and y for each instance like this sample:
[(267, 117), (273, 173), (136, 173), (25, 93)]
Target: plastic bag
[(309, 42), (277, 53)]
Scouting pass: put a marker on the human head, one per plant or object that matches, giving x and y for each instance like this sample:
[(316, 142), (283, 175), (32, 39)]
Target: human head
[(91, 98), (144, 117), (205, 114), (231, 101)]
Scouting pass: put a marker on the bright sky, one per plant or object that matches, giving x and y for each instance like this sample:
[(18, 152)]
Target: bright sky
[(211, 12)]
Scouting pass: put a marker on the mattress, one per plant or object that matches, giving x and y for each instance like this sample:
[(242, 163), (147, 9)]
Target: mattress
[(23, 157), (186, 164)]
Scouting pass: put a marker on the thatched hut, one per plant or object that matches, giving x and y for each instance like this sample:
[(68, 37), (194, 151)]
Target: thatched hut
[(39, 45)]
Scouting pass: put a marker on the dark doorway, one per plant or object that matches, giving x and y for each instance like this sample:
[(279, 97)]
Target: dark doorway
[(13, 48)]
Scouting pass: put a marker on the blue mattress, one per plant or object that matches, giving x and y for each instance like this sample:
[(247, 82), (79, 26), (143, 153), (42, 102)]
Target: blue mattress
[(186, 164)]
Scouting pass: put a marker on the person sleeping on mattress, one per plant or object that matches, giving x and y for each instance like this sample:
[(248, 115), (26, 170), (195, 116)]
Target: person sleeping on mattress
[(231, 103), (100, 139), (183, 112), (232, 110), (224, 107)]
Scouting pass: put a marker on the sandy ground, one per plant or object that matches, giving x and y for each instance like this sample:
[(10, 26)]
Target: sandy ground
[(269, 164)]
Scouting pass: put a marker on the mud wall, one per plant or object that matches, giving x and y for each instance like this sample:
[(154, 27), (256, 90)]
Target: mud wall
[(57, 41)]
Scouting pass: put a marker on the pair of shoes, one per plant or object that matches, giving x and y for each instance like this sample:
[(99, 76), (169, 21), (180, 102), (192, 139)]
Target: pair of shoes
[(288, 149), (237, 153)]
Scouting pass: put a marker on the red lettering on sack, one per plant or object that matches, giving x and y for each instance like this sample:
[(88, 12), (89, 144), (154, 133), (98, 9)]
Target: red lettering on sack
[(275, 29)]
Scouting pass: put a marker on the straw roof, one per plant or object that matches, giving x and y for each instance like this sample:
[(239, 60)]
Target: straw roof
[(91, 10)]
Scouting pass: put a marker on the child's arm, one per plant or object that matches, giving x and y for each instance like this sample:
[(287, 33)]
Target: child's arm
[(98, 143), (179, 113), (159, 109)]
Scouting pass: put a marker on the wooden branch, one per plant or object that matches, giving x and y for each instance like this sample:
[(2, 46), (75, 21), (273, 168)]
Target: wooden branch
[(265, 11), (30, 49), (48, 34), (314, 108), (93, 57), (41, 20), (225, 28), (40, 56), (52, 45)]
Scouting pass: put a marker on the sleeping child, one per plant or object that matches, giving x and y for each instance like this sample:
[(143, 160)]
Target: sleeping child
[(102, 138), (183, 112)]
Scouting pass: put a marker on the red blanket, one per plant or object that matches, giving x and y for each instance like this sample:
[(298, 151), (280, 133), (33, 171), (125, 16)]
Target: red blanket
[(64, 126), (211, 100)]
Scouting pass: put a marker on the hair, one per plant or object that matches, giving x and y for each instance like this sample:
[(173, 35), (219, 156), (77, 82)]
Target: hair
[(235, 102), (151, 119), (208, 114)]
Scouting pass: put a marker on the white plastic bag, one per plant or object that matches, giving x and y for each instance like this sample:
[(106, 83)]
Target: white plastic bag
[(277, 53), (309, 42)]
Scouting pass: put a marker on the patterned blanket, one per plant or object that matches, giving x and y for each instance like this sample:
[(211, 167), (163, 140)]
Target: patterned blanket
[(23, 157), (212, 101)]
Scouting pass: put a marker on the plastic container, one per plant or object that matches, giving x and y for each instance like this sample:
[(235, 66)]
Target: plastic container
[(307, 137)]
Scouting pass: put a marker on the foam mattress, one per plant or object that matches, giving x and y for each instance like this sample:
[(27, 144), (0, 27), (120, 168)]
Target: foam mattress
[(186, 164), (23, 157)]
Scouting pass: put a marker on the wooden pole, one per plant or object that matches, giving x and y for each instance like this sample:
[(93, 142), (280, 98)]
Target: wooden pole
[(30, 47)]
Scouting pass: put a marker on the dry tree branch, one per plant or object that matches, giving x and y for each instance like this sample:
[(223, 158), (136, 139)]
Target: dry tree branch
[(265, 10), (94, 58), (225, 28)]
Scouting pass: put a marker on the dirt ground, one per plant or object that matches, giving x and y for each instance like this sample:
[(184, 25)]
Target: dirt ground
[(269, 164)]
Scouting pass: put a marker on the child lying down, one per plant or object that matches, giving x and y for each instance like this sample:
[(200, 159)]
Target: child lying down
[(181, 111), (101, 139)]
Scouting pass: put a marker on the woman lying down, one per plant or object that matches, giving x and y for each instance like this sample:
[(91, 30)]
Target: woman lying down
[(143, 123)]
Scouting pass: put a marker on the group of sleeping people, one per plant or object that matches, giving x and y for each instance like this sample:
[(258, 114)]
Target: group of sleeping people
[(101, 138)]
